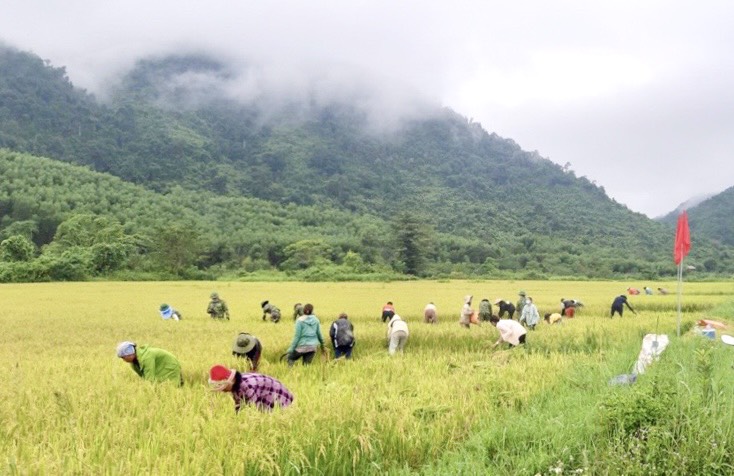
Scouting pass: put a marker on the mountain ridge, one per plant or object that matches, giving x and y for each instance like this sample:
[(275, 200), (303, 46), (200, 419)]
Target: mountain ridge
[(502, 206)]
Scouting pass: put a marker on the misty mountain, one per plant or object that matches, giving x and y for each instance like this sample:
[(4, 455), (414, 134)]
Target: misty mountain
[(185, 123), (690, 203), (712, 218)]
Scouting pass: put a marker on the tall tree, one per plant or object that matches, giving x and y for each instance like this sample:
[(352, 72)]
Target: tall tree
[(412, 236)]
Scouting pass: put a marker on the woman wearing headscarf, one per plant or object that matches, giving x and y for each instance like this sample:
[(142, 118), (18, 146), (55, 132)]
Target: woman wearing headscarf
[(150, 363), (262, 391)]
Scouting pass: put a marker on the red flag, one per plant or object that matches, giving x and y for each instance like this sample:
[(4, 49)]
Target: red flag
[(682, 238)]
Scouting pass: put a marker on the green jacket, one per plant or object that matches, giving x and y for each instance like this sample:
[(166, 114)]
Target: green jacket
[(308, 332), (156, 365)]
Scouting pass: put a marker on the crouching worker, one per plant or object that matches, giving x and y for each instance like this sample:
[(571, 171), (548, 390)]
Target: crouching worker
[(511, 331), (247, 346), (388, 310), (554, 318), (270, 309), (155, 365), (505, 307), (264, 392), (167, 312), (342, 336), (397, 334)]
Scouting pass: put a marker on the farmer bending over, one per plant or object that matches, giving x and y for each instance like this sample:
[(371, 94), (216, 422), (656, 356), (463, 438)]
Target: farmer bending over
[(619, 303), (388, 310), (155, 365), (430, 314), (397, 335), (247, 346), (264, 392), (270, 309), (505, 307), (511, 331)]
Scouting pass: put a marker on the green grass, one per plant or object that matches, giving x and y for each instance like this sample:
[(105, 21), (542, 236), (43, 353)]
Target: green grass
[(450, 405)]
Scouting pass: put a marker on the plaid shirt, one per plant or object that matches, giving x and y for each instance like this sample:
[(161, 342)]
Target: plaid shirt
[(262, 391)]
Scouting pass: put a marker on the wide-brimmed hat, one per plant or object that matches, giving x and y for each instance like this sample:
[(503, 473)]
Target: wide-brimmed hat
[(214, 296), (264, 303), (244, 343), (521, 293)]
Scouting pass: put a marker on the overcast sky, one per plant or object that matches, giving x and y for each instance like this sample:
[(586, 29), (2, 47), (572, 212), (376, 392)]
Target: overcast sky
[(637, 95)]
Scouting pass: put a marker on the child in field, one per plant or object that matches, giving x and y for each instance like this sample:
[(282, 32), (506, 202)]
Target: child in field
[(247, 346), (511, 331), (155, 365), (262, 391)]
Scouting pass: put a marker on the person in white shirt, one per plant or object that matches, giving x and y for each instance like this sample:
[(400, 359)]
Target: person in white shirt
[(397, 334), (511, 331)]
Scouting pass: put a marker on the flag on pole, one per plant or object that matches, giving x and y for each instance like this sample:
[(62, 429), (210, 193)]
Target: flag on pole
[(682, 238)]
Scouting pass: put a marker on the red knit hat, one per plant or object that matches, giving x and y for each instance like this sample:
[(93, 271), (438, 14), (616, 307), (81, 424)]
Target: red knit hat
[(219, 373)]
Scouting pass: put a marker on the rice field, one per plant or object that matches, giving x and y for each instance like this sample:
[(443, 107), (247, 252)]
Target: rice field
[(450, 405)]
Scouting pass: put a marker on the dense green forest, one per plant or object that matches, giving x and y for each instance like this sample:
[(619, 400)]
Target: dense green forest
[(167, 181)]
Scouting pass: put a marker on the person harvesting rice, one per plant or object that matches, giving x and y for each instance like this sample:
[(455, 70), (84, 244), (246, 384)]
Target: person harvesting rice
[(262, 391)]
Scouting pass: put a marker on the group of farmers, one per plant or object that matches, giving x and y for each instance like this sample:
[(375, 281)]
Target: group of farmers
[(265, 392)]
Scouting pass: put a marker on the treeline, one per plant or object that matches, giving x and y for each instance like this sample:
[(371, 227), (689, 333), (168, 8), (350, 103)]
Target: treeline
[(65, 222)]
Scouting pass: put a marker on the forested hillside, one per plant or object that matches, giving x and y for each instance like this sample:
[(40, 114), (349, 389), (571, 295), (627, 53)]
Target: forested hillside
[(712, 218), (301, 186)]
